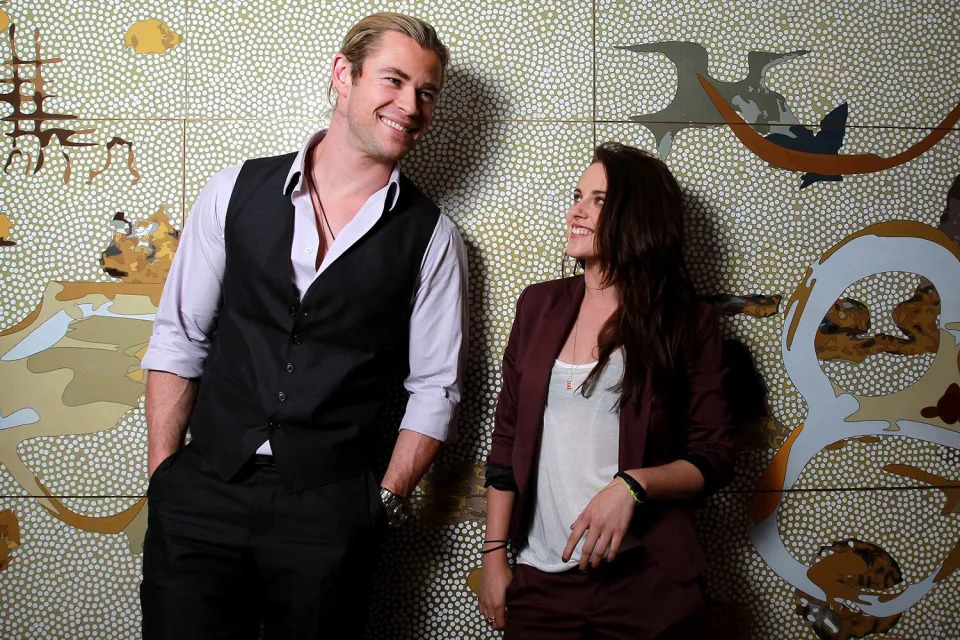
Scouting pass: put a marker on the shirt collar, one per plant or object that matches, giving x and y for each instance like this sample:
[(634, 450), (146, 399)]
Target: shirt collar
[(295, 182)]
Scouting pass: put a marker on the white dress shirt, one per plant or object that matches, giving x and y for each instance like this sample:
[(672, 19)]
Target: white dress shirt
[(190, 304), (579, 455)]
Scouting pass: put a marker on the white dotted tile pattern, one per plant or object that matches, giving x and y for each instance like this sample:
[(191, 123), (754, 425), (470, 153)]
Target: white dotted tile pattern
[(106, 463), (66, 583), (739, 580), (272, 60), (101, 77)]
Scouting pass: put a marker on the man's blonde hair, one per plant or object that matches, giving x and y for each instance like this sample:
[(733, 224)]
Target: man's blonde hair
[(363, 37)]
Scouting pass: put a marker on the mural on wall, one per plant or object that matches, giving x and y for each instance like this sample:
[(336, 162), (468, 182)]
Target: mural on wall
[(766, 109), (843, 584), (72, 368), (27, 96), (761, 117), (806, 544), (142, 253), (827, 162)]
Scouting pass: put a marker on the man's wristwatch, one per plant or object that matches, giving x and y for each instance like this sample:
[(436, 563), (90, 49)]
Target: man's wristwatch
[(396, 507)]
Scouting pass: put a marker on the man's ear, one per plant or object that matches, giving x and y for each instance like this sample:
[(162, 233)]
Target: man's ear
[(342, 80)]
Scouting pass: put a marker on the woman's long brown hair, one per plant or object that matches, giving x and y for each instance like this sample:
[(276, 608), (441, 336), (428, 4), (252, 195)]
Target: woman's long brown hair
[(639, 240)]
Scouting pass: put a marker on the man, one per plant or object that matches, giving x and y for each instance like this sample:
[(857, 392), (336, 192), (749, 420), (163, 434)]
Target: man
[(300, 284)]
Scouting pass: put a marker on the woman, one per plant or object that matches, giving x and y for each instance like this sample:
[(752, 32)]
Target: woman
[(610, 422)]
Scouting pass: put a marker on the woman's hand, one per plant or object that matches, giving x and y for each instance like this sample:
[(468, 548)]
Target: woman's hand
[(492, 591), (605, 520)]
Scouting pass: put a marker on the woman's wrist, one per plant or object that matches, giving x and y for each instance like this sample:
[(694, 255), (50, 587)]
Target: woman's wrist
[(496, 558)]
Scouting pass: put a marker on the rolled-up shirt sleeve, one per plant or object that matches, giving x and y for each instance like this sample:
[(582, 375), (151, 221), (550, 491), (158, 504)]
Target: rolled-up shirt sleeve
[(190, 303), (438, 336)]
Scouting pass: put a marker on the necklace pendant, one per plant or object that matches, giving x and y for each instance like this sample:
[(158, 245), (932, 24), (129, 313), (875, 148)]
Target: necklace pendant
[(569, 384)]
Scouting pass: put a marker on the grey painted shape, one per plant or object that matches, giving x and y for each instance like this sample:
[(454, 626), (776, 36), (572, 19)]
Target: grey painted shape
[(690, 107)]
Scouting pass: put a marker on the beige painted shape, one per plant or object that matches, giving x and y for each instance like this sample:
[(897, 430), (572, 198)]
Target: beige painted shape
[(45, 391), (906, 404), (99, 374), (133, 305)]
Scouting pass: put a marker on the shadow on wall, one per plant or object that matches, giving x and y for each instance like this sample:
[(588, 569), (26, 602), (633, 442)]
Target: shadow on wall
[(446, 167), (703, 244)]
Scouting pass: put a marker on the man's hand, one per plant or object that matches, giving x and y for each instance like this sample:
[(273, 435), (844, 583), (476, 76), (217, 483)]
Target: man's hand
[(170, 401), (605, 520)]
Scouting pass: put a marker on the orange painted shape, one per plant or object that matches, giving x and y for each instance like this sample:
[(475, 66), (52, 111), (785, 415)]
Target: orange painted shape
[(822, 163), (766, 496), (890, 229), (109, 524), (827, 575), (799, 298)]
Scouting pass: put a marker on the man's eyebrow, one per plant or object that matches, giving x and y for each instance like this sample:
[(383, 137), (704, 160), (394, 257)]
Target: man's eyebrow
[(394, 71), (405, 76)]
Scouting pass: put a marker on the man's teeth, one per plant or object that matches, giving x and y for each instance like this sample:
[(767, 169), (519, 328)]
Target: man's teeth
[(395, 125)]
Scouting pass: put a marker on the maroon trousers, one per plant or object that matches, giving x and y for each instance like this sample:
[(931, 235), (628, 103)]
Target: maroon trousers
[(629, 599)]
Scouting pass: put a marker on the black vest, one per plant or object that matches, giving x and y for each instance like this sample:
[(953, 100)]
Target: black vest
[(311, 376)]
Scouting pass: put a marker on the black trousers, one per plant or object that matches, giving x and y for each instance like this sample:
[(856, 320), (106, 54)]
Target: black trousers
[(220, 558)]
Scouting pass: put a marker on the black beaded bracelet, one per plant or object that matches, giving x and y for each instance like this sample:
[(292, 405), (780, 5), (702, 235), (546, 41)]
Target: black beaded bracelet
[(636, 489)]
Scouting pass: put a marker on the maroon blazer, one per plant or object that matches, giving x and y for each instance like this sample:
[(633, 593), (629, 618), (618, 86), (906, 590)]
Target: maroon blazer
[(648, 436)]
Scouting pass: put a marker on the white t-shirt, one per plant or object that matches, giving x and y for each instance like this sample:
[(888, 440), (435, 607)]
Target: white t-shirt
[(579, 453)]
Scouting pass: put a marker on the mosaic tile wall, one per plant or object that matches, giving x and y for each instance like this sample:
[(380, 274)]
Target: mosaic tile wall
[(827, 233)]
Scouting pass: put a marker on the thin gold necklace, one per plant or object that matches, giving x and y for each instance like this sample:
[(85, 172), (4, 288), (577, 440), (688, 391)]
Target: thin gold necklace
[(573, 367)]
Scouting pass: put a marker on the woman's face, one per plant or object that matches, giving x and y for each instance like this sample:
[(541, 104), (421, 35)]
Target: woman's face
[(584, 213)]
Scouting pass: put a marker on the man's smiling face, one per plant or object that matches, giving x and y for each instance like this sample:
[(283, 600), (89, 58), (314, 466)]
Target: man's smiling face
[(389, 106)]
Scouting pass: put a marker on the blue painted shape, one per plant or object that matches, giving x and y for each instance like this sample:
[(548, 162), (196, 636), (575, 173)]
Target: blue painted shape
[(43, 337), (19, 418), (827, 141)]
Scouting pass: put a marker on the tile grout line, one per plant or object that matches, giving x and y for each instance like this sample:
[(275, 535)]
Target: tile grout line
[(593, 41), (721, 492), (186, 112), (271, 119)]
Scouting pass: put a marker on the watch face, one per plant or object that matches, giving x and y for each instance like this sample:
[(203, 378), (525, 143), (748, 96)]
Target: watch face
[(397, 509)]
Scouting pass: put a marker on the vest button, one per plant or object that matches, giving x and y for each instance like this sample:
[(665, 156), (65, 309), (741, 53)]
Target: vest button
[(296, 339), (281, 396), (289, 367), (294, 309), (274, 424)]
